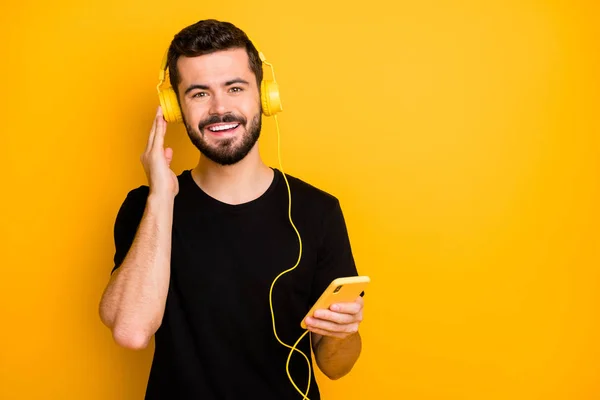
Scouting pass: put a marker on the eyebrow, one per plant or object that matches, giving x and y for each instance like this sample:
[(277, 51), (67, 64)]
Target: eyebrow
[(236, 80), (205, 87)]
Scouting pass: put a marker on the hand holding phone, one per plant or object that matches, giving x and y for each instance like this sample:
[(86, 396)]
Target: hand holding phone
[(345, 294)]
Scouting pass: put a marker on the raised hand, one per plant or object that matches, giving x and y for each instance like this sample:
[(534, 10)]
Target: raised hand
[(157, 160)]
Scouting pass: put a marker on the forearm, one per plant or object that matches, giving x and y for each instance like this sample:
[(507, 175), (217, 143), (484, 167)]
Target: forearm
[(336, 357), (134, 300)]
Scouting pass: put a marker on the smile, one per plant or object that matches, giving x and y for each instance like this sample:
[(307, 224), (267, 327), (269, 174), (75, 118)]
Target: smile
[(222, 128)]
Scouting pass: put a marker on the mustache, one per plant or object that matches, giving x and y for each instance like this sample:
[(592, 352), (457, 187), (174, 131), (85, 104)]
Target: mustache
[(216, 119)]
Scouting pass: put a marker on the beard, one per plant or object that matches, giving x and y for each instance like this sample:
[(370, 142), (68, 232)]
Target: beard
[(226, 151)]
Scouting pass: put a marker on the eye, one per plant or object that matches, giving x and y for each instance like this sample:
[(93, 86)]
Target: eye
[(199, 94), (236, 89)]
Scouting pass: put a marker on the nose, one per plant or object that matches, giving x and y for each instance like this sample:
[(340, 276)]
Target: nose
[(218, 104)]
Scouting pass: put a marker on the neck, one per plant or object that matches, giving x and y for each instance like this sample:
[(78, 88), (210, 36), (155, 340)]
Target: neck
[(234, 184)]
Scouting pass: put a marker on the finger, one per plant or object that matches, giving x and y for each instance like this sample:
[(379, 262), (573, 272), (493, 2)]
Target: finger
[(331, 326), (152, 131), (338, 318), (323, 332), (161, 128), (347, 308)]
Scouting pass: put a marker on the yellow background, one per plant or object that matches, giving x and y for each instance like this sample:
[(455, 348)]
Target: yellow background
[(460, 136)]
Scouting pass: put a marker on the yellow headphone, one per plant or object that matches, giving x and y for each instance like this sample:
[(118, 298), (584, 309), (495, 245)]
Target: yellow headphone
[(269, 93)]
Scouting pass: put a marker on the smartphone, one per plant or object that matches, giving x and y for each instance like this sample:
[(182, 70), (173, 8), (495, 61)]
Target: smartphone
[(340, 290)]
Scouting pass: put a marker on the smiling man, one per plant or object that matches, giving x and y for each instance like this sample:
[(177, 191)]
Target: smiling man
[(196, 253)]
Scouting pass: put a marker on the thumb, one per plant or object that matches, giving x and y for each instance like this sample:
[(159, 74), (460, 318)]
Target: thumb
[(169, 155)]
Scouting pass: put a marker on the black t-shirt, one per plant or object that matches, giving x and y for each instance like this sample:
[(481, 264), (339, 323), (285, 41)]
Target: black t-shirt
[(216, 340)]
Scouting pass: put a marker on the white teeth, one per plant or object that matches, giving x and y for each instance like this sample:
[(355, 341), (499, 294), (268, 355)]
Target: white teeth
[(222, 127)]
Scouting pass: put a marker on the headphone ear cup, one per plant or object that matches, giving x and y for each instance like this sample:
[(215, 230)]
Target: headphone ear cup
[(269, 93), (170, 106)]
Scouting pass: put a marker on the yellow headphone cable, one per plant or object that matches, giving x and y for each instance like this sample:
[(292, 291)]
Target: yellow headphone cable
[(292, 348)]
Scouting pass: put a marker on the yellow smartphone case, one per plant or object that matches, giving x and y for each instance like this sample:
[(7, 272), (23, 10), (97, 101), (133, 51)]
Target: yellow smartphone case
[(340, 290)]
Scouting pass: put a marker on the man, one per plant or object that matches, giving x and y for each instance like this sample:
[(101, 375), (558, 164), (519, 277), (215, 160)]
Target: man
[(196, 253)]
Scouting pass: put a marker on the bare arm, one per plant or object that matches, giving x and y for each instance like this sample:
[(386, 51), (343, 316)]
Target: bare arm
[(133, 303), (336, 357)]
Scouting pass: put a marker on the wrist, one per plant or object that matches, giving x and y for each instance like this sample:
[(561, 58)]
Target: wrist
[(160, 199), (332, 343)]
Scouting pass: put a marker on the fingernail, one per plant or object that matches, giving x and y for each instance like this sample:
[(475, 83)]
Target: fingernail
[(335, 307)]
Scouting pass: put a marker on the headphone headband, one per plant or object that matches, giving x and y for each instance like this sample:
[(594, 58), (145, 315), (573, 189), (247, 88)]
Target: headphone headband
[(163, 67)]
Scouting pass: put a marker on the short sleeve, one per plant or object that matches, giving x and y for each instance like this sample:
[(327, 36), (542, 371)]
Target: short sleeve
[(127, 222), (334, 255)]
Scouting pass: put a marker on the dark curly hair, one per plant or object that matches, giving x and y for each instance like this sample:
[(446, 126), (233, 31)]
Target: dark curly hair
[(208, 36)]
